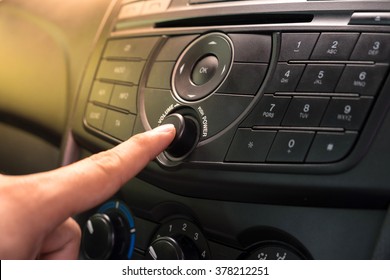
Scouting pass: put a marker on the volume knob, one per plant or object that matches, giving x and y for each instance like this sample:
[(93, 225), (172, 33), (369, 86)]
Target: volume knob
[(186, 138)]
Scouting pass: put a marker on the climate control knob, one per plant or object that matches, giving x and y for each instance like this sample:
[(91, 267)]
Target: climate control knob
[(168, 248), (178, 239), (109, 234), (186, 138)]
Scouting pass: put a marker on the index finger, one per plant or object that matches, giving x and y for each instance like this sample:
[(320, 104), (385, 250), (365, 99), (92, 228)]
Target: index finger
[(85, 184)]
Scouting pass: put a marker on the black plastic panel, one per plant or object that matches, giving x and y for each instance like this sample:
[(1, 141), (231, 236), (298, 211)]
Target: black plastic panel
[(294, 142)]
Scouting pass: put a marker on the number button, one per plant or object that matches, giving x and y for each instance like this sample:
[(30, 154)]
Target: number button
[(365, 79), (269, 111), (320, 78), (305, 111), (334, 46), (372, 47), (290, 146), (348, 113), (297, 46), (285, 78)]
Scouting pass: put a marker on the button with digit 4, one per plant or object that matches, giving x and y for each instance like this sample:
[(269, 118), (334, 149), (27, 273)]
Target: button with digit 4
[(285, 78), (348, 113)]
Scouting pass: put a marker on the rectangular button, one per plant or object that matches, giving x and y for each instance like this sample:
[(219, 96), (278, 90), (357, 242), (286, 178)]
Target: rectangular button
[(372, 47), (305, 111), (297, 46), (290, 146), (320, 78), (251, 47), (160, 75), (124, 71), (348, 113), (269, 111), (125, 97), (244, 78), (95, 116), (173, 47), (250, 145), (131, 10), (331, 147), (101, 92), (130, 48), (363, 79), (285, 78), (334, 46), (119, 125), (370, 19), (155, 6)]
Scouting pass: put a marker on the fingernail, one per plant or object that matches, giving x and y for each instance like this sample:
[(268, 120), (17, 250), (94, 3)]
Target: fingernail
[(164, 128)]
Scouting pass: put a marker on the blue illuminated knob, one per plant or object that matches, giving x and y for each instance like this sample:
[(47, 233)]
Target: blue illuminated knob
[(109, 234)]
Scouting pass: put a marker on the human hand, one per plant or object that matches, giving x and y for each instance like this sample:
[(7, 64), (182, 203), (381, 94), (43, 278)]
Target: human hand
[(35, 210)]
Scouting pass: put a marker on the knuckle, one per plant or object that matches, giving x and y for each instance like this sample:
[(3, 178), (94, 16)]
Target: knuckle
[(106, 161)]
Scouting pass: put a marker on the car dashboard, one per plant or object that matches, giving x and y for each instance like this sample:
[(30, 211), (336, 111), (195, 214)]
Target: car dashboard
[(281, 112)]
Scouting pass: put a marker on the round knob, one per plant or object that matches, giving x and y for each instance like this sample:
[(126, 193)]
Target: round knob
[(168, 248), (186, 138), (105, 236)]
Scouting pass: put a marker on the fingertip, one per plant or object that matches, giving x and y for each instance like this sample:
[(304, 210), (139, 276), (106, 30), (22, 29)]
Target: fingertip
[(165, 128)]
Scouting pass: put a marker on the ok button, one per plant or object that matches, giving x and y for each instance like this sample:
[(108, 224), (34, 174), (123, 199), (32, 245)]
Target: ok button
[(204, 70)]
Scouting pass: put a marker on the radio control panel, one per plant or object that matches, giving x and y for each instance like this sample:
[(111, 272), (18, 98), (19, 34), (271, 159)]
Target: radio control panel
[(283, 97)]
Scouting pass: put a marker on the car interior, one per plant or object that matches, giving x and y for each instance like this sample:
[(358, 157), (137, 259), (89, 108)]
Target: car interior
[(281, 110)]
